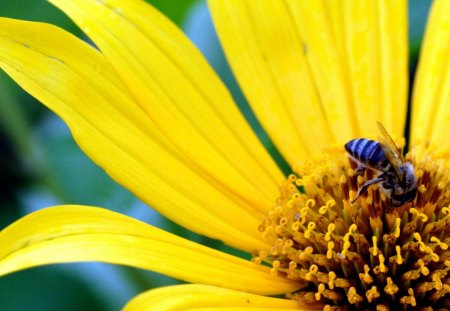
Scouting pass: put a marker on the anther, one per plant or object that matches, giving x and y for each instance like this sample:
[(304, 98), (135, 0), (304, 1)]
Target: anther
[(330, 247), (397, 227), (399, 255), (366, 277), (310, 203), (323, 210), (382, 266), (391, 288), (332, 277), (312, 271), (330, 229), (431, 257), (330, 204), (311, 227), (372, 294), (353, 296), (275, 266), (411, 300), (375, 250), (420, 215), (424, 270), (320, 290), (295, 226), (291, 178), (304, 211), (345, 248), (305, 254), (442, 245), (418, 238), (346, 239)]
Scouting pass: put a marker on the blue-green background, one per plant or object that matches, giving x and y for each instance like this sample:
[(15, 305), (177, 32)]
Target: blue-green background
[(40, 165)]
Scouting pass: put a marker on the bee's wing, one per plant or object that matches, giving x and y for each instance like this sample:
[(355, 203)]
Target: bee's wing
[(391, 151)]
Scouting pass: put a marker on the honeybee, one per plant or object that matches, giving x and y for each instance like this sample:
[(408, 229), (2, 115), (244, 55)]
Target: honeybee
[(395, 175)]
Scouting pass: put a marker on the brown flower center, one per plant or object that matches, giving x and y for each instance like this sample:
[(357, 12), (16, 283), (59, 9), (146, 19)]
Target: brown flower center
[(368, 255)]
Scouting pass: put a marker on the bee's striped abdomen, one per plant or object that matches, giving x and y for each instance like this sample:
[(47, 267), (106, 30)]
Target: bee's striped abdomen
[(366, 151)]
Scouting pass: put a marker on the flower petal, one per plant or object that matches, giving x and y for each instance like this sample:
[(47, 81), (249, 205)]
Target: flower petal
[(393, 53), (187, 297), (372, 36), (181, 94), (81, 233), (75, 81), (309, 82), (269, 57), (431, 97)]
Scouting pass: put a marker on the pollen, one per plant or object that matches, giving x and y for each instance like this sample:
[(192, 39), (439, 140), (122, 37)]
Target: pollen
[(365, 255)]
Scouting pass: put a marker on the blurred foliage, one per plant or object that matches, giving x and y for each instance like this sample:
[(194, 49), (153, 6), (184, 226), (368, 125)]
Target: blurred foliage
[(40, 165), (417, 10), (47, 289)]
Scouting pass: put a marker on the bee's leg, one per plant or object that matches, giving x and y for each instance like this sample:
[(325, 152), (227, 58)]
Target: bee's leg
[(364, 187), (389, 184), (360, 170)]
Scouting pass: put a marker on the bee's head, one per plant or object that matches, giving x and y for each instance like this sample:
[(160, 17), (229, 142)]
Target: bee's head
[(409, 178), (406, 189)]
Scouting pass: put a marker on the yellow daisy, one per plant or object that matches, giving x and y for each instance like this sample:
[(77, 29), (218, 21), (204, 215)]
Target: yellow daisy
[(148, 109)]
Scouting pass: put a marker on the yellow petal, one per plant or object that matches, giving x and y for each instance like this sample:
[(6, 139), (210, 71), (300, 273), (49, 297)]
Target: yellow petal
[(393, 32), (372, 40), (431, 97), (181, 94), (270, 60), (187, 297), (75, 81), (314, 27), (81, 233), (318, 72)]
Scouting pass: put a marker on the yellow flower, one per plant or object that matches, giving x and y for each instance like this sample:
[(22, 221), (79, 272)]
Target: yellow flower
[(148, 109)]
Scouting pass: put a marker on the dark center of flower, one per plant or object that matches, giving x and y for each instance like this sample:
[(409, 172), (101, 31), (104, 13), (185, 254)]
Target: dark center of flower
[(368, 255)]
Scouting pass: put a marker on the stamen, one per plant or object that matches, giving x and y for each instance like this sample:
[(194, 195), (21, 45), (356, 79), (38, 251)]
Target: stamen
[(399, 255), (421, 216), (332, 278), (367, 254), (439, 243), (409, 300), (365, 277), (391, 288), (311, 227), (397, 227), (374, 249), (353, 296), (372, 294)]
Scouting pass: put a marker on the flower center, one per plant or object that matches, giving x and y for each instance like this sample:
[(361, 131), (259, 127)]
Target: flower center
[(365, 255)]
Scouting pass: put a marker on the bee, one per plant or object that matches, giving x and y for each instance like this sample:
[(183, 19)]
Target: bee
[(394, 174)]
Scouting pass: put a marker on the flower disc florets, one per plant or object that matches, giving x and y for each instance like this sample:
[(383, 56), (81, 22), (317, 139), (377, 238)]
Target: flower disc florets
[(367, 255)]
